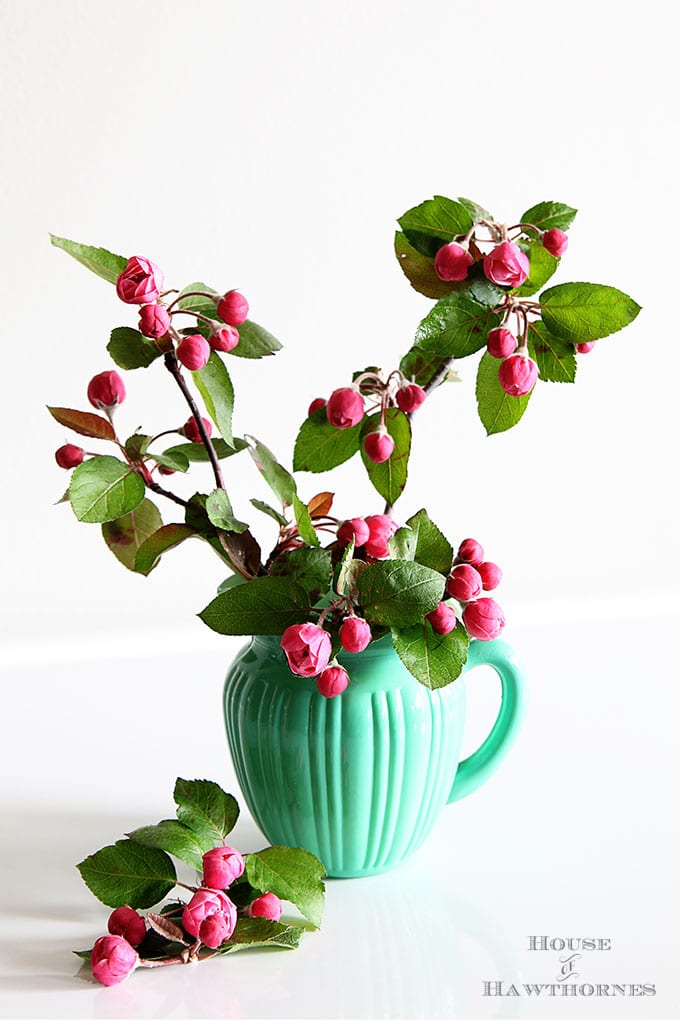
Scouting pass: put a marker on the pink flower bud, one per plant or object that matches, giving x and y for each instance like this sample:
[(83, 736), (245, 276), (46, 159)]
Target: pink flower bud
[(106, 390), (221, 866), (355, 634), (585, 348), (204, 903), (190, 429), (506, 265), (162, 470), (268, 905), (452, 262), (379, 446), (556, 242), (153, 321), (193, 351), (223, 338), (141, 282), (127, 922), (410, 398), (470, 551), (315, 405), (356, 528), (345, 407), (215, 930), (69, 456), (483, 619), (381, 527), (464, 583), (491, 575), (307, 648), (443, 619), (113, 958), (332, 681), (233, 308), (500, 342), (518, 375)]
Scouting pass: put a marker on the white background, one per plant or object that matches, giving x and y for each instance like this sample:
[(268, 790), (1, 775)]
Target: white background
[(271, 147)]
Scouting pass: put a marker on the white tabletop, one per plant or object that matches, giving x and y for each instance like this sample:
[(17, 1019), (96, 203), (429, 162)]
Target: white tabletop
[(576, 836)]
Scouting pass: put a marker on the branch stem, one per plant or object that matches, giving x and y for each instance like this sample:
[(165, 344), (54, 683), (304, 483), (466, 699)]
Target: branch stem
[(174, 370)]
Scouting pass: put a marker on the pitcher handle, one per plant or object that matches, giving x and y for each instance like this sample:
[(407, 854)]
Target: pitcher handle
[(482, 763)]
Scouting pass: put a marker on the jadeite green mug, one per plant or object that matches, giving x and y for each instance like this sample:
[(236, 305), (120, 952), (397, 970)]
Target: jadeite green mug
[(359, 779)]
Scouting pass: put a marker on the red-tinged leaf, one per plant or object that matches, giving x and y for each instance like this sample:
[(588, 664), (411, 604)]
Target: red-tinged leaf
[(167, 537), (83, 422), (167, 928), (125, 535), (320, 505)]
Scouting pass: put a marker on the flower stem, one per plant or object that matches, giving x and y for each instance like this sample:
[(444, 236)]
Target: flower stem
[(174, 370), (165, 492)]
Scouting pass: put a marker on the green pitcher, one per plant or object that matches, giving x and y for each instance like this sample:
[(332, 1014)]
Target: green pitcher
[(359, 779)]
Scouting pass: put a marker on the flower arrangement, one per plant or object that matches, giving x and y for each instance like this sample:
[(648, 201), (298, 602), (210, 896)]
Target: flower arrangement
[(377, 575), (237, 905)]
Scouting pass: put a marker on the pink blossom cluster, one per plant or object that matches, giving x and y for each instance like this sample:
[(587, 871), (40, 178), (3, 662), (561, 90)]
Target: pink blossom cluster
[(471, 575), (506, 265), (209, 918), (141, 283), (346, 407), (308, 647)]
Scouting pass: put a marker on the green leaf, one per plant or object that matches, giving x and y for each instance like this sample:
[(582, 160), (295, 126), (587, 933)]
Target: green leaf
[(433, 223), (196, 452), (310, 568), (98, 260), (402, 545), (483, 290), (197, 303), (128, 873), (130, 349), (555, 358), (341, 573), (137, 444), (304, 523), (435, 660), (456, 326), (214, 384), (205, 808), (280, 481), (542, 265), (477, 212), (498, 411), (432, 548), (103, 489), (258, 931), (266, 605), (579, 312), (151, 550), (419, 269), (254, 341), (320, 447), (398, 593), (83, 422), (231, 582), (292, 874), (265, 508), (175, 461), (422, 366), (218, 508), (548, 215), (176, 839), (125, 535), (389, 478)]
